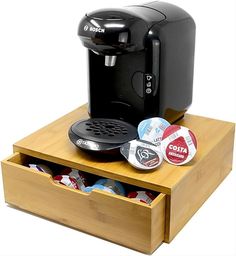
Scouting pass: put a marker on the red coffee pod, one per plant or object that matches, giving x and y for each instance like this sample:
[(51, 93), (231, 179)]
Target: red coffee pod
[(66, 180), (142, 196), (80, 177), (178, 145)]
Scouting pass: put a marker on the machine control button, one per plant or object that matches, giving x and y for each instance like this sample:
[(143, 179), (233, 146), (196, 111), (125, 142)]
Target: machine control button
[(148, 83), (148, 90)]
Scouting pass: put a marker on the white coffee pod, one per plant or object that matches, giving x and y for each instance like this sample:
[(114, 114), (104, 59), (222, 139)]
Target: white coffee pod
[(142, 155), (152, 129)]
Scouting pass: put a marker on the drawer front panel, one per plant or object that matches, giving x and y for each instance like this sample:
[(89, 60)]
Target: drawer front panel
[(109, 216)]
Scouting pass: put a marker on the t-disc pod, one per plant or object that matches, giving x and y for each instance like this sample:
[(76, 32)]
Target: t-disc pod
[(81, 178), (178, 145), (152, 129), (114, 185), (66, 180), (142, 154), (41, 168), (98, 187), (142, 196)]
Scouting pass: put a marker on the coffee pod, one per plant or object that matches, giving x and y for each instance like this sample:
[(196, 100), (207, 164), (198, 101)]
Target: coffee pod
[(98, 187), (142, 196), (66, 180), (40, 168), (152, 129), (115, 186), (178, 145), (80, 177), (142, 155)]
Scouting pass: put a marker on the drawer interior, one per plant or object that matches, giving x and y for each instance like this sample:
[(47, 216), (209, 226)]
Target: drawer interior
[(24, 161), (113, 217)]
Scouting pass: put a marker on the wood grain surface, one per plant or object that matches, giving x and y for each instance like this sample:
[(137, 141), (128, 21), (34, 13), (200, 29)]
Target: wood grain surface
[(192, 191), (112, 217), (183, 188), (51, 143)]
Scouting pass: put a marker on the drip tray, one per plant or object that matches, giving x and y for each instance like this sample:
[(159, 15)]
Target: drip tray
[(101, 134)]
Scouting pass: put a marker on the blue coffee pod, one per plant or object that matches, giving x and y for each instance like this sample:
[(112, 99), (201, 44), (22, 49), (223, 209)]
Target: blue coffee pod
[(99, 187), (152, 129), (115, 186)]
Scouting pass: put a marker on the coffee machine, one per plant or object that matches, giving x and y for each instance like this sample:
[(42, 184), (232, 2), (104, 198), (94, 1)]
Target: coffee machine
[(140, 61)]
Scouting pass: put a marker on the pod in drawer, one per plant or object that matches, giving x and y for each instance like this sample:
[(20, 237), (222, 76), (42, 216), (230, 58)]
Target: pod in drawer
[(112, 217)]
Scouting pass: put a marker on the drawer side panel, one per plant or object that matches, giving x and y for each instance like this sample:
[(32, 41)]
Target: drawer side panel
[(193, 191)]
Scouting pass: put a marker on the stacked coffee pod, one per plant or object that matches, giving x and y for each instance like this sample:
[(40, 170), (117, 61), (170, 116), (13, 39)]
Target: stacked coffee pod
[(86, 182)]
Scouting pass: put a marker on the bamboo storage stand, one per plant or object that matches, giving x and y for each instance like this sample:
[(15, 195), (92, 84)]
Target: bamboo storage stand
[(183, 189)]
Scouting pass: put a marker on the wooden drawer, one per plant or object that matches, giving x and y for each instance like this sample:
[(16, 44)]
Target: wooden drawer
[(182, 189), (112, 217)]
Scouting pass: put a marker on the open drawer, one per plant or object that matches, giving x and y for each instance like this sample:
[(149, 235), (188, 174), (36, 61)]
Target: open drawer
[(112, 217)]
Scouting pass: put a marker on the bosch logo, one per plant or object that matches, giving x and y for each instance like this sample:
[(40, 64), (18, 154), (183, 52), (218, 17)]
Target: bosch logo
[(98, 30), (93, 29), (87, 144)]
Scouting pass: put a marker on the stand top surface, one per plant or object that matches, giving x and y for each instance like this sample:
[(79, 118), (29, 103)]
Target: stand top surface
[(51, 143)]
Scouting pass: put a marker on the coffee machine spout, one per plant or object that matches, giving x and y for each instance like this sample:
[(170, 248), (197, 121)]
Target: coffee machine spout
[(110, 61)]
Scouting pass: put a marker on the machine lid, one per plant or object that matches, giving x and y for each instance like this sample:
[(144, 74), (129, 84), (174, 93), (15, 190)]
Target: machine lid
[(110, 14), (146, 13)]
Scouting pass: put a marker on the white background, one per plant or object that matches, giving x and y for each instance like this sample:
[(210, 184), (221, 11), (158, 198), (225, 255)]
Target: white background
[(43, 75)]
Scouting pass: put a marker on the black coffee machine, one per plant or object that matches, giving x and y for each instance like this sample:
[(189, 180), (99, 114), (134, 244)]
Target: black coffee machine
[(141, 61)]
